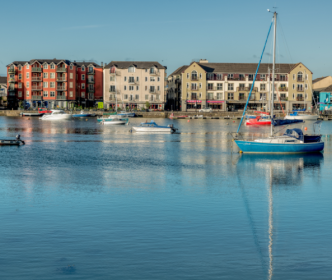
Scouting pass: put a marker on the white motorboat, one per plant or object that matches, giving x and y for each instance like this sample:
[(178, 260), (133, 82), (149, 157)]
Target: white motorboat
[(115, 121), (57, 115), (296, 116), (153, 127)]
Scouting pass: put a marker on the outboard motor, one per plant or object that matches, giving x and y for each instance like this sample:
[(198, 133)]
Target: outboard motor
[(18, 137)]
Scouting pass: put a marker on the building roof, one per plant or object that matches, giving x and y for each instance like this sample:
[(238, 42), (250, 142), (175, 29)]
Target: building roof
[(318, 79), (328, 89), (86, 63), (137, 64), (55, 61), (246, 67), (179, 70), (3, 80)]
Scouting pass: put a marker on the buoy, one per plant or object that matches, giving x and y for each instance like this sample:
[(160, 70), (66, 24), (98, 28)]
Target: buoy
[(233, 121), (28, 118), (188, 121), (240, 152), (86, 119), (305, 128)]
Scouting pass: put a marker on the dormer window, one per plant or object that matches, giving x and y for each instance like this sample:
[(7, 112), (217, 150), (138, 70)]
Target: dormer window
[(131, 69), (52, 66), (90, 69), (71, 67), (83, 68), (152, 70), (20, 68), (194, 75), (45, 66), (28, 66)]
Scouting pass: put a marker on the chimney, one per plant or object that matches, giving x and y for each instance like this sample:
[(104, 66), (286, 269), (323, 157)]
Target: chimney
[(203, 61), (101, 64)]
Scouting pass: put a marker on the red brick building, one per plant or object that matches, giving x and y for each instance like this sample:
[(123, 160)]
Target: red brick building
[(54, 83)]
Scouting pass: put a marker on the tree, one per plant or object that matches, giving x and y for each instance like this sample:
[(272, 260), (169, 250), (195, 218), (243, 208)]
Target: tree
[(147, 104)]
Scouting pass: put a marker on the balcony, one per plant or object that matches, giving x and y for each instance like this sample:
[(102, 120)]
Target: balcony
[(246, 89), (283, 98), (36, 88), (300, 98), (11, 89), (91, 90), (91, 81), (133, 82), (242, 98), (211, 88), (300, 80), (178, 81), (154, 73), (300, 89), (91, 71), (61, 97), (11, 71), (115, 91), (36, 97), (61, 70), (193, 78), (61, 79), (194, 88), (36, 79), (283, 89), (117, 73), (36, 69), (12, 80), (61, 88)]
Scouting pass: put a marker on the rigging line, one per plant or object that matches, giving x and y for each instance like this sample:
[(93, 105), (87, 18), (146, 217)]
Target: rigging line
[(284, 37), (252, 86)]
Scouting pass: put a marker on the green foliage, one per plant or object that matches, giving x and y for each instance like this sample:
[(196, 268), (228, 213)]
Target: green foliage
[(147, 104)]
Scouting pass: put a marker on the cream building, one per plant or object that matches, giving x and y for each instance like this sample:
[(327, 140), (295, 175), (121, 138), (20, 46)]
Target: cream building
[(134, 83), (226, 86)]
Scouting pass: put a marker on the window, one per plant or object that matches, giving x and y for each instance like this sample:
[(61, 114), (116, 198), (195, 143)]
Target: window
[(306, 86), (28, 93), (71, 75), (187, 85), (20, 68), (262, 87), (218, 76), (20, 76), (152, 79), (193, 86), (282, 77), (194, 75), (112, 88), (300, 87), (28, 66), (219, 95), (52, 84), (52, 67), (230, 86), (125, 96), (219, 86), (52, 75), (293, 96), (83, 77), (241, 96), (200, 75), (28, 75), (137, 79), (90, 69), (45, 84), (200, 85), (146, 79), (193, 96), (293, 86), (83, 94), (137, 88), (136, 96), (293, 76), (71, 68), (45, 93), (299, 77), (158, 79), (45, 66), (125, 78), (83, 69), (70, 84), (210, 86), (20, 94), (230, 95), (52, 93), (230, 76), (187, 75), (251, 77), (131, 80), (152, 70), (210, 95), (152, 89), (131, 69), (146, 70), (146, 87), (157, 96), (45, 75), (27, 84), (112, 78), (19, 85), (158, 88), (82, 85), (146, 97), (125, 87), (131, 87), (306, 76)]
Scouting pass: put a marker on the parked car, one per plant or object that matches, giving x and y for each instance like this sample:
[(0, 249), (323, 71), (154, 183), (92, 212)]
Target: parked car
[(205, 110)]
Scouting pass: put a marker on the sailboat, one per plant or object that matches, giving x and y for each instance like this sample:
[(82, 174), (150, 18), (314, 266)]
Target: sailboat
[(292, 141)]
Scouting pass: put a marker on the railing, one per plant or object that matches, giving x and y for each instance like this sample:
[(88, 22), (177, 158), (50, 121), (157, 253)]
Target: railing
[(36, 88), (116, 91), (246, 89), (117, 73), (91, 90), (61, 88), (91, 81), (36, 79), (250, 79), (261, 79), (11, 71), (300, 89), (91, 71), (194, 88), (211, 88), (36, 97), (283, 79), (36, 69), (61, 97), (155, 72), (12, 80), (11, 89), (194, 78), (262, 89), (242, 98), (133, 82), (178, 81), (283, 89), (300, 98), (61, 79), (61, 69), (154, 91), (300, 80), (283, 98)]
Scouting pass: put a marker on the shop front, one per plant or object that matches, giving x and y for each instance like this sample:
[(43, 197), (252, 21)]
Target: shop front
[(299, 107), (194, 104), (215, 104)]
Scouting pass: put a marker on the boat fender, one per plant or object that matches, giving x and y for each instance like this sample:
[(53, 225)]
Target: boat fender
[(23, 143)]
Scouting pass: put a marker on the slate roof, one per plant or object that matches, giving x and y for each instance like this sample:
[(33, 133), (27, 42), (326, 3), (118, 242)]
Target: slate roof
[(56, 61), (318, 79), (3, 80), (137, 64), (179, 70), (328, 89)]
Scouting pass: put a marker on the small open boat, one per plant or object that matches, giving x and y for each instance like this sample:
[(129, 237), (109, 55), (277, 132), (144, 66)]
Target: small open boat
[(258, 121), (15, 142), (115, 121), (56, 115), (153, 127), (126, 114), (82, 115), (296, 116)]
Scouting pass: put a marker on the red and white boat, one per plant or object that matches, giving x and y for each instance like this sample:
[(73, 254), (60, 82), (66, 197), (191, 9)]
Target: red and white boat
[(258, 121)]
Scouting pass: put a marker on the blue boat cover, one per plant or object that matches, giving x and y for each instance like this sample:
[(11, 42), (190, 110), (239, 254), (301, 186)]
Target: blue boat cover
[(284, 122)]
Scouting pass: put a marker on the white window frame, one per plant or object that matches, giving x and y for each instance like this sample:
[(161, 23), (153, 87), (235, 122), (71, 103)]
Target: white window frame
[(83, 77), (28, 75), (27, 66), (45, 93), (71, 94), (52, 75), (70, 84), (52, 93), (52, 83), (45, 84), (20, 76), (83, 94), (27, 84), (82, 85), (45, 66), (19, 85), (45, 75), (27, 93), (52, 66), (19, 68), (20, 94)]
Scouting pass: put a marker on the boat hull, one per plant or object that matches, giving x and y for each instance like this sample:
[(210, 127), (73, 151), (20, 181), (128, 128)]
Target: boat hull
[(55, 118), (81, 115), (32, 114), (281, 148), (153, 129), (114, 122), (254, 122), (302, 117)]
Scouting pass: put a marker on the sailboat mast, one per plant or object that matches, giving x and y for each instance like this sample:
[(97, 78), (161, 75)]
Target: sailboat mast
[(273, 67)]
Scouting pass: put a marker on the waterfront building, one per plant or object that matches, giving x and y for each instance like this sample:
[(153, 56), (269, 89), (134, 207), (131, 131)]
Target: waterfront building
[(225, 86), (325, 98), (173, 99), (3, 91), (319, 85), (134, 84), (54, 83)]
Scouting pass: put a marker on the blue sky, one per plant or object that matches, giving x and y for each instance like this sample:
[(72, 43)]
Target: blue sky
[(171, 32)]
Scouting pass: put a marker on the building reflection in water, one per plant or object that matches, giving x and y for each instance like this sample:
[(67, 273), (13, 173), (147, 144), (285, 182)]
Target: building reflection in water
[(280, 171)]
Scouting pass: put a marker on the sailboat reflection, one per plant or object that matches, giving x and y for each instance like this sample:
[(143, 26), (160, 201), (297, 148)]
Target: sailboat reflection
[(279, 170)]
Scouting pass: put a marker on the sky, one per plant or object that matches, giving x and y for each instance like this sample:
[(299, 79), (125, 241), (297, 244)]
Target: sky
[(174, 33)]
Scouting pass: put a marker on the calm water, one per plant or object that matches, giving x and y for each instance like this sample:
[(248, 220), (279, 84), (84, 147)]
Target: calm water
[(85, 201)]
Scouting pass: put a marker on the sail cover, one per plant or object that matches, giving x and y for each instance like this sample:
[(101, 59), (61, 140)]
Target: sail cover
[(276, 122)]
